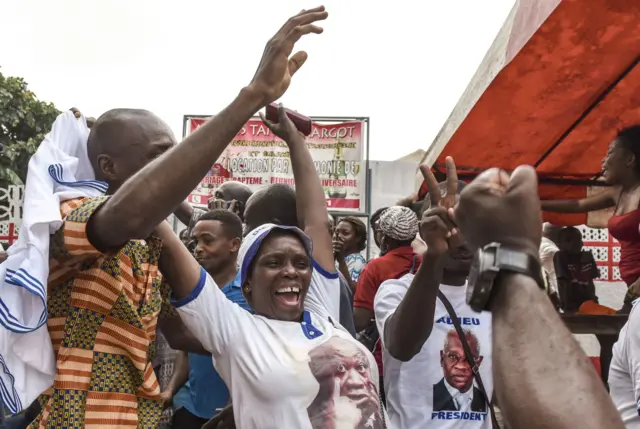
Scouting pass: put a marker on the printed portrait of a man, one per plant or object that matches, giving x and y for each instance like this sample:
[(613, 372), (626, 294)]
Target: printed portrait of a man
[(347, 396), (456, 391)]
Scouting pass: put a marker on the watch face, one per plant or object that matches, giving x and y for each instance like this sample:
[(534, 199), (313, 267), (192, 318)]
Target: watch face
[(483, 272)]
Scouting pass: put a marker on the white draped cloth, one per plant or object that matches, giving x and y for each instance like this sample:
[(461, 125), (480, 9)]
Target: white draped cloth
[(59, 170)]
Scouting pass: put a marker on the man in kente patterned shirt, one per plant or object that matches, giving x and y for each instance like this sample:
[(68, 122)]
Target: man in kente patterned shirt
[(102, 335), (104, 306), (105, 292)]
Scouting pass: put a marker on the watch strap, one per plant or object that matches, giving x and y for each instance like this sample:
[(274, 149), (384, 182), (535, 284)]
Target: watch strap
[(519, 262)]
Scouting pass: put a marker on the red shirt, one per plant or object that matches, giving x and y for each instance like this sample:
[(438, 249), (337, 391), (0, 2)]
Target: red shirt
[(392, 265), (624, 228)]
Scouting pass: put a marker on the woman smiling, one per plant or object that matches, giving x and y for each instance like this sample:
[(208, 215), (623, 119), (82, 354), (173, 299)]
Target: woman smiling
[(291, 364)]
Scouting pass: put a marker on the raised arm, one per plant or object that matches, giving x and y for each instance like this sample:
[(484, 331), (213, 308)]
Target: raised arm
[(312, 205), (600, 201), (526, 329), (409, 327), (152, 194), (184, 212), (177, 265), (211, 322), (179, 336)]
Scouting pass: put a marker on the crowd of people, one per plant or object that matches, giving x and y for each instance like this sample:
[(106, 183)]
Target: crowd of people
[(275, 317)]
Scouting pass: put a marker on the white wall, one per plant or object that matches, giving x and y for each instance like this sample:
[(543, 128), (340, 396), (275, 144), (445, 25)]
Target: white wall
[(390, 181)]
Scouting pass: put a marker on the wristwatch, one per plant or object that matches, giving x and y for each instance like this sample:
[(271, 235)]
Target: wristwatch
[(488, 263)]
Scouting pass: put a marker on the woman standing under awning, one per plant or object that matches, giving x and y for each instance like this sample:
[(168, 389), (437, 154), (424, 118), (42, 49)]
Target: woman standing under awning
[(621, 170)]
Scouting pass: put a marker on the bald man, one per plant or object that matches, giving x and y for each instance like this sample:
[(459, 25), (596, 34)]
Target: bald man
[(106, 295)]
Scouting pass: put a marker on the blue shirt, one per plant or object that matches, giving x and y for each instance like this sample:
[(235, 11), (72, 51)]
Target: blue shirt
[(205, 391)]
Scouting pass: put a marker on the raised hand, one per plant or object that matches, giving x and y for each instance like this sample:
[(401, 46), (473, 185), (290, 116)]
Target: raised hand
[(78, 114), (502, 209), (277, 65), (437, 226), (285, 128)]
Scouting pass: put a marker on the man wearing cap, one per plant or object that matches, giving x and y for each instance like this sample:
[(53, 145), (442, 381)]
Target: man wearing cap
[(397, 228)]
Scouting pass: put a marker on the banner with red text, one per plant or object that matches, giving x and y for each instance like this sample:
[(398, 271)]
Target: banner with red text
[(258, 158)]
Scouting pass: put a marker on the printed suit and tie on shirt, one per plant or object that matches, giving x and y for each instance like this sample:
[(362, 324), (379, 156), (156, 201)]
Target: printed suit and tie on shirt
[(456, 391)]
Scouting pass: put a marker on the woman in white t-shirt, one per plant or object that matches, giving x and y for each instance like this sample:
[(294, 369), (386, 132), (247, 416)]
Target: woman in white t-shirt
[(291, 365)]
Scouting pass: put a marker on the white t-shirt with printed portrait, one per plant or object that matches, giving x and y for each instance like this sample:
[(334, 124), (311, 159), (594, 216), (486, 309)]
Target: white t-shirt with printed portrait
[(436, 388), (308, 375)]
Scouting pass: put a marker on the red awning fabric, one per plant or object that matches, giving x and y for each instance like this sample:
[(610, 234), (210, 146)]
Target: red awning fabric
[(560, 100)]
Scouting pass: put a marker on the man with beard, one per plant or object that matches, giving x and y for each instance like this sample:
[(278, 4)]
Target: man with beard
[(414, 324), (217, 236)]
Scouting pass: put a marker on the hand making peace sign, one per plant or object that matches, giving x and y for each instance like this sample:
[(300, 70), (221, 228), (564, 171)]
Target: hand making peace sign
[(437, 226)]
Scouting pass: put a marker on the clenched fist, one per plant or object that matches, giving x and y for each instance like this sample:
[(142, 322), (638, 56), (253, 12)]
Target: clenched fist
[(500, 208)]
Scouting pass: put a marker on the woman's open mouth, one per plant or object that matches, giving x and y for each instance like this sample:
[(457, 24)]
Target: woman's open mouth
[(288, 296)]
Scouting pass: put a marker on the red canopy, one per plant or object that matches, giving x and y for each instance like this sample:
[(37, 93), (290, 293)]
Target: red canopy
[(559, 100)]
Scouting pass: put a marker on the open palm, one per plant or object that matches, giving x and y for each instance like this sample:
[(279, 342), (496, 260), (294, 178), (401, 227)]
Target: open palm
[(277, 65)]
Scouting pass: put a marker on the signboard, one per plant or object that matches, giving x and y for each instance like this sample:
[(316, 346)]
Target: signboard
[(258, 158)]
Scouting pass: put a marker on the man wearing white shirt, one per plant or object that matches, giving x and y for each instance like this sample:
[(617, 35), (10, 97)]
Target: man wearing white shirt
[(428, 379)]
